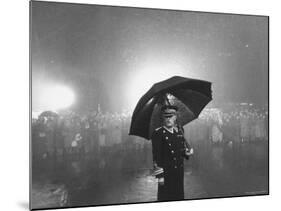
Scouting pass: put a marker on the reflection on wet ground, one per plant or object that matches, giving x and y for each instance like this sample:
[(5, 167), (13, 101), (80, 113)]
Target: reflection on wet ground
[(140, 186), (86, 182)]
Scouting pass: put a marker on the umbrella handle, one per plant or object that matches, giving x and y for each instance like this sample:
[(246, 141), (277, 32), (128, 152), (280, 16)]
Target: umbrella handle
[(166, 99)]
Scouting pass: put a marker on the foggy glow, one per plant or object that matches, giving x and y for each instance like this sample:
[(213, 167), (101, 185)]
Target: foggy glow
[(54, 97), (142, 81)]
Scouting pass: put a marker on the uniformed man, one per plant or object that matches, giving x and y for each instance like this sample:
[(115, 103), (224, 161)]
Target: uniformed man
[(169, 149)]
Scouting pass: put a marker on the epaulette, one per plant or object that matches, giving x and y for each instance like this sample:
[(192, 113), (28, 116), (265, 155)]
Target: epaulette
[(158, 128)]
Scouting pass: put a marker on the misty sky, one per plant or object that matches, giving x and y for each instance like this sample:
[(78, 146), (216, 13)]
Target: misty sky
[(97, 50)]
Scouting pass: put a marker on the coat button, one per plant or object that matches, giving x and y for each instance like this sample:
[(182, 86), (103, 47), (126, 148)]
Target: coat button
[(175, 158), (166, 138), (172, 151), (169, 144), (176, 167)]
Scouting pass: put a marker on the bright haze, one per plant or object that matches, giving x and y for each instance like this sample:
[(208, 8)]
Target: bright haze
[(112, 55)]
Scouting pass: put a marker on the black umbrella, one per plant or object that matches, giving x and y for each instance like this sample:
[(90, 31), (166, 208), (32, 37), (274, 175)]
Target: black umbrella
[(190, 95)]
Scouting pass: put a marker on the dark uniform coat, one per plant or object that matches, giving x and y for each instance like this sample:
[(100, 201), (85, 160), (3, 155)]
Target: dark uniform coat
[(169, 152)]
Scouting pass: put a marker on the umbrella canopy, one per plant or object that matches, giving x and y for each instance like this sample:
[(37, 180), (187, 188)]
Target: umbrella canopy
[(190, 95)]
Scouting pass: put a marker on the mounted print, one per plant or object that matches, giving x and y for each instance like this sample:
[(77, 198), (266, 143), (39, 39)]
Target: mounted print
[(136, 105)]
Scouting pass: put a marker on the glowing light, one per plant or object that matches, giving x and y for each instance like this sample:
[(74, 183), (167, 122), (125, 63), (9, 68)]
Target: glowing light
[(55, 97), (143, 80)]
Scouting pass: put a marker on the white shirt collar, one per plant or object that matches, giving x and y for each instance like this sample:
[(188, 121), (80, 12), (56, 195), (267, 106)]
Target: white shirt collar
[(171, 130)]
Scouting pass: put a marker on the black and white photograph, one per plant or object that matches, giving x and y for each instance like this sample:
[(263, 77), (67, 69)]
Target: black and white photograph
[(136, 105)]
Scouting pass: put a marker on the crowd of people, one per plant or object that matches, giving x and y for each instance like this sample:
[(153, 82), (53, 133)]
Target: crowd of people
[(219, 136), (230, 140), (100, 137)]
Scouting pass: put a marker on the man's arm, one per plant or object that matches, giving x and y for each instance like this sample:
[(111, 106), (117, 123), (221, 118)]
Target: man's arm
[(156, 149), (188, 150), (157, 160)]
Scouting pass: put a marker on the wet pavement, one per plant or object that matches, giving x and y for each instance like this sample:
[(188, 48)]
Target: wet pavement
[(89, 182), (131, 187), (140, 186)]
